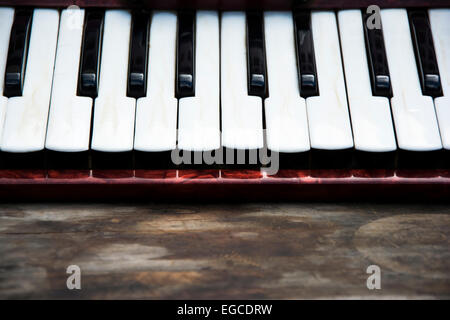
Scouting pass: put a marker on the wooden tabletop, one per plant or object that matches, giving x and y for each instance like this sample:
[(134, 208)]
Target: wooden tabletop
[(239, 251)]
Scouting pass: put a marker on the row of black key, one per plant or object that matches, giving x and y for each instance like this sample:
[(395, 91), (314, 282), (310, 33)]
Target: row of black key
[(257, 74)]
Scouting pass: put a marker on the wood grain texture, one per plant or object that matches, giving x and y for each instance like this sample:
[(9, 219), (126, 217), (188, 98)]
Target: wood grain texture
[(228, 4), (241, 251)]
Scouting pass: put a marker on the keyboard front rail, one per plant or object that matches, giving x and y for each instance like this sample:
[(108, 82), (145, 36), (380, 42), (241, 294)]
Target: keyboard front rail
[(209, 185)]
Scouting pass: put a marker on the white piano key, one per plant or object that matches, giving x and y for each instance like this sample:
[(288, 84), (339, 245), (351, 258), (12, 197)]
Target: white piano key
[(440, 28), (26, 116), (199, 117), (286, 118), (114, 112), (241, 113), (69, 120), (156, 114), (414, 115), (328, 116), (6, 21), (371, 118)]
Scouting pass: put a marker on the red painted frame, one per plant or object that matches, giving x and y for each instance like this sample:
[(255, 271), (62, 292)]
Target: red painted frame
[(207, 185)]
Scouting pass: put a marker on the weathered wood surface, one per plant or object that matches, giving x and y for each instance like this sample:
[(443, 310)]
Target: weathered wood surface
[(280, 251)]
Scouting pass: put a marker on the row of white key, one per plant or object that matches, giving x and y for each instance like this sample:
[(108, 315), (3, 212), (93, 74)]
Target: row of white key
[(287, 113), (293, 123)]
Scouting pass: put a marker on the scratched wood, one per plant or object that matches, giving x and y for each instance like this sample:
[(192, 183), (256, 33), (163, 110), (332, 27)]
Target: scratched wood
[(253, 251)]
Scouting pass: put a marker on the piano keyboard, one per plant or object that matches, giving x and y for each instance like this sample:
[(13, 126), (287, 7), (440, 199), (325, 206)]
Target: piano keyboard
[(116, 89)]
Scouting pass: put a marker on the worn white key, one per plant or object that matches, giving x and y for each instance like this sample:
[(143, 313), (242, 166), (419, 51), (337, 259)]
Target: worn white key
[(328, 116), (114, 112), (414, 115), (286, 118), (26, 116), (241, 113), (69, 119), (199, 117), (156, 114), (440, 28), (6, 21), (371, 118)]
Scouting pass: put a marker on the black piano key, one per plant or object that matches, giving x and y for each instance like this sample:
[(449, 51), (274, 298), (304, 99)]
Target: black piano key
[(295, 160), (23, 161), (17, 53), (374, 160), (256, 55), (153, 160), (137, 70), (112, 160), (421, 160), (201, 160), (67, 160), (377, 60), (306, 60), (446, 159), (331, 159), (425, 55), (90, 53), (245, 159), (185, 77)]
